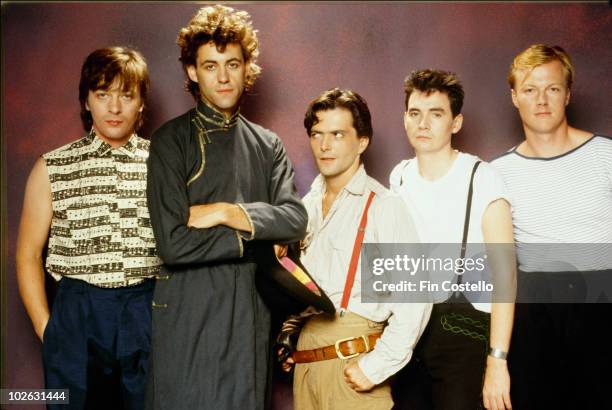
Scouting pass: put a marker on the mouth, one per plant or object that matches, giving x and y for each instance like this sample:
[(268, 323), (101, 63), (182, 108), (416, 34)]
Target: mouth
[(113, 123), (326, 159), (538, 114), (225, 91), (422, 137)]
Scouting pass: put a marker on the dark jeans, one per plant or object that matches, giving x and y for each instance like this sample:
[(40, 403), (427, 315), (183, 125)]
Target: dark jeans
[(446, 372), (97, 345), (560, 356)]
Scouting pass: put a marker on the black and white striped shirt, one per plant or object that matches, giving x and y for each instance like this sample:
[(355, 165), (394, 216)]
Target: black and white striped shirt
[(564, 200)]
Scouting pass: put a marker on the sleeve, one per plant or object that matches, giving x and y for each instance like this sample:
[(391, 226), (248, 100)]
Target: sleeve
[(395, 178), (168, 203), (284, 219), (394, 348), (407, 320), (489, 186)]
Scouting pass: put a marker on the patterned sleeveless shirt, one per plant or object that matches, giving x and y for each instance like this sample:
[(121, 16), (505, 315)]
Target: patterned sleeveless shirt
[(101, 231)]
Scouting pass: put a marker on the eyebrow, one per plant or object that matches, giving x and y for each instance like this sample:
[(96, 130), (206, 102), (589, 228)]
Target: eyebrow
[(231, 60), (435, 109)]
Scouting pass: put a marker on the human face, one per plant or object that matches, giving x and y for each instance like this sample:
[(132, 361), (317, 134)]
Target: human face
[(220, 76), (429, 122), (335, 145), (541, 96), (115, 112)]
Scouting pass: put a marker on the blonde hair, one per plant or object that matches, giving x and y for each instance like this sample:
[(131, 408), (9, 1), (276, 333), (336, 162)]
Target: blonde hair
[(222, 25), (539, 54)]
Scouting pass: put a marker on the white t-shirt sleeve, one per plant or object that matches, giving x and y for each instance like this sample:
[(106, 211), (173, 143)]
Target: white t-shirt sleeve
[(395, 178), (489, 186)]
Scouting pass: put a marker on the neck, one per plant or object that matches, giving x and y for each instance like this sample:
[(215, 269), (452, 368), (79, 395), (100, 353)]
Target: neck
[(335, 184), (434, 165), (551, 144)]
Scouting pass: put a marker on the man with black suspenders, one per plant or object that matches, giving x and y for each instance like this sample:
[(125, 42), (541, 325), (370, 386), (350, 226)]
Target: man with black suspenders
[(453, 197), (343, 361)]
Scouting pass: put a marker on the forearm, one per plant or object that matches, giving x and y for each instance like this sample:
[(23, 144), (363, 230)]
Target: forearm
[(502, 317), (31, 281)]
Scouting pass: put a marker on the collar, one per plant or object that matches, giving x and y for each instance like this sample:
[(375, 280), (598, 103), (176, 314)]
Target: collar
[(102, 147), (356, 185), (209, 114)]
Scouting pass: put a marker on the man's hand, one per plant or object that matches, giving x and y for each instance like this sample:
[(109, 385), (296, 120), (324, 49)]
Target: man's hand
[(355, 378), (207, 216), (280, 250), (288, 364), (496, 389)]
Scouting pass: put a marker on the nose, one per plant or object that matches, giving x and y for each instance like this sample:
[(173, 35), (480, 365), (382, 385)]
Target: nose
[(325, 144), (222, 75), (542, 98), (114, 104), (424, 122)]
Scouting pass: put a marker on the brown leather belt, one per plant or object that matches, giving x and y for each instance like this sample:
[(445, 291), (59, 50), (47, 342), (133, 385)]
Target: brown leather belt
[(343, 349)]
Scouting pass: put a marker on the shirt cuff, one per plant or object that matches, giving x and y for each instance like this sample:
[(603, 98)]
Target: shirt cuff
[(242, 233), (372, 368)]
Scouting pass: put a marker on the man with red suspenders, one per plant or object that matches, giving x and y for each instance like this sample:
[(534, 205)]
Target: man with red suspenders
[(343, 361)]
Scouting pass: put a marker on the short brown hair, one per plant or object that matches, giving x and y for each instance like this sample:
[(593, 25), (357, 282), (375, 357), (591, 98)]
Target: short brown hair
[(539, 54), (105, 65), (341, 98), (222, 25), (429, 81)]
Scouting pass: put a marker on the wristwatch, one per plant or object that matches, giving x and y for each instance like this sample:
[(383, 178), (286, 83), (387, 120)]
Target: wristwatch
[(498, 353)]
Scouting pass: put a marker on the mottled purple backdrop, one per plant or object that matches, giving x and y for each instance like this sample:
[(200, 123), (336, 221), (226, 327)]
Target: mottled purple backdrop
[(305, 49)]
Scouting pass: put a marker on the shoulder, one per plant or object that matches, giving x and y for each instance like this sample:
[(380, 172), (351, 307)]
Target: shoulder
[(385, 199), (601, 143), (66, 148), (398, 173), (260, 132), (175, 128)]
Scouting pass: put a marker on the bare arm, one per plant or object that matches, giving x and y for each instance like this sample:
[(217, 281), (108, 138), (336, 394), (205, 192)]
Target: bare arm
[(497, 229), (33, 232), (219, 213)]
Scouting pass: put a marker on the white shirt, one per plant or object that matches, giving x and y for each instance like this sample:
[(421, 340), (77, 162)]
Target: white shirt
[(438, 207), (328, 248)]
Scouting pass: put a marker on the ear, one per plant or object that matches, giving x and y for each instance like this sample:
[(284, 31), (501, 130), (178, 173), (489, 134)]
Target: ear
[(406, 120), (514, 97), (191, 73), (87, 106), (141, 108), (363, 144), (457, 123), (567, 97)]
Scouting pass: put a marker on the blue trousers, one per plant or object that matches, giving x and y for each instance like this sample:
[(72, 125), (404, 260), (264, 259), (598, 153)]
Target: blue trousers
[(97, 345)]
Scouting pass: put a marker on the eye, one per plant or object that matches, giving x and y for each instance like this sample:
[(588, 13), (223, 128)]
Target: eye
[(315, 135), (413, 114), (437, 115), (101, 94), (234, 65), (555, 89), (127, 97), (338, 135), (528, 90), (209, 67)]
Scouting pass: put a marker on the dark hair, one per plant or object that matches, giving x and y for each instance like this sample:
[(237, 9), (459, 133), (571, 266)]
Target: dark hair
[(222, 25), (105, 65), (429, 81), (341, 98)]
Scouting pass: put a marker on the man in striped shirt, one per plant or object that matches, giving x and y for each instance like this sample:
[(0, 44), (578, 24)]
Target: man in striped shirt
[(560, 182)]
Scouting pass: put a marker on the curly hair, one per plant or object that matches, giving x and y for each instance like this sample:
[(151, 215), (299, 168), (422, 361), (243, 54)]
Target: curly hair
[(539, 54), (222, 25), (429, 81), (105, 65)]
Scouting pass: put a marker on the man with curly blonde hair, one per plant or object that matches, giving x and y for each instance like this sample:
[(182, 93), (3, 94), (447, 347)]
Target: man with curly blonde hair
[(218, 185)]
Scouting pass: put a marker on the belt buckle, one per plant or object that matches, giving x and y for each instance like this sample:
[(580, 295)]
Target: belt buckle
[(348, 339)]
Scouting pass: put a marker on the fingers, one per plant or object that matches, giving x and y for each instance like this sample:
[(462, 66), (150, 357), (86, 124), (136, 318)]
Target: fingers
[(506, 398)]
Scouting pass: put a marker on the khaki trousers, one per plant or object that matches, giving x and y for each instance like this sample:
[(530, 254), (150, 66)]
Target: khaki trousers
[(320, 385)]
